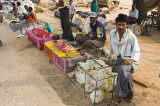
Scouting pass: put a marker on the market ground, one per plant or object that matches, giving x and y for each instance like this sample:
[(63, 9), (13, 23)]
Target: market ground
[(28, 79)]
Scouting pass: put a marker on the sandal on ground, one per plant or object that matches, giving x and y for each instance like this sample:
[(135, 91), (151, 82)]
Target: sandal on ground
[(128, 100), (113, 102)]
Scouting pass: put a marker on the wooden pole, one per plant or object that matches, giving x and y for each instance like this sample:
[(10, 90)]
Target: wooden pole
[(65, 24), (159, 6), (143, 82)]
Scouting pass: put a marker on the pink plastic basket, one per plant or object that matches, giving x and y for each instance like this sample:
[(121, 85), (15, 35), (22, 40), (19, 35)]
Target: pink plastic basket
[(60, 62), (65, 64)]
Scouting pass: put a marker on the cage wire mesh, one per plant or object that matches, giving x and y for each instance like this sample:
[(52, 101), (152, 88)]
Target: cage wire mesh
[(93, 77)]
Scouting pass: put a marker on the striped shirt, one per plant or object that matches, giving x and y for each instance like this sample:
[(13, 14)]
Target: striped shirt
[(131, 51), (97, 31)]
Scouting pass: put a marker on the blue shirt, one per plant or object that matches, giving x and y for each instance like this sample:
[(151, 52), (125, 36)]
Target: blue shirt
[(134, 13)]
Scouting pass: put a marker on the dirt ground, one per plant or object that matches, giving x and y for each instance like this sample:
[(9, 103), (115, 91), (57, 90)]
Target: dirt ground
[(28, 79)]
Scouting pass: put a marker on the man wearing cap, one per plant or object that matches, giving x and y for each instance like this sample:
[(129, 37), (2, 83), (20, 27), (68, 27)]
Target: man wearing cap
[(98, 35), (77, 18)]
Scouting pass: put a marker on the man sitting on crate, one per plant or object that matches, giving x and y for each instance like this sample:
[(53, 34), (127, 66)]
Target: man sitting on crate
[(133, 15), (124, 45), (98, 35)]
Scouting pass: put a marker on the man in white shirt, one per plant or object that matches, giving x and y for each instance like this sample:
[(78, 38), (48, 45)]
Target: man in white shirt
[(133, 15), (87, 28), (77, 18), (123, 44), (21, 9), (71, 8), (102, 19)]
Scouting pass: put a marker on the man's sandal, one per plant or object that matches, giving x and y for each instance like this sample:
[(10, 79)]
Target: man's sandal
[(113, 102), (128, 100)]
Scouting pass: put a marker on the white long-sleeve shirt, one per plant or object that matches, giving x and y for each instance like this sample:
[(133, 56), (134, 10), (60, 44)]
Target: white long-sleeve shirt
[(87, 28), (101, 20), (21, 10), (131, 47), (71, 8), (76, 18)]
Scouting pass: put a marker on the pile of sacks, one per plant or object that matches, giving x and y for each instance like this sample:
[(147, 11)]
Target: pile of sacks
[(96, 76)]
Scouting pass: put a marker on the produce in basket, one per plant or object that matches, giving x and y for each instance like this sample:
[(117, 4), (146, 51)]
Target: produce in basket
[(63, 46), (14, 26), (9, 16)]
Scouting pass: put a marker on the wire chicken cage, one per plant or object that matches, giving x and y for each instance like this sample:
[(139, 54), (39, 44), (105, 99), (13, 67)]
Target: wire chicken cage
[(94, 78)]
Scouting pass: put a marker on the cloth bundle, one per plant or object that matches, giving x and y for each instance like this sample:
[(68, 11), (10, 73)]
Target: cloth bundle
[(40, 32)]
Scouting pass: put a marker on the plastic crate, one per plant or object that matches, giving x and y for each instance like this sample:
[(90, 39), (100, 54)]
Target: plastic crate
[(49, 53), (66, 64)]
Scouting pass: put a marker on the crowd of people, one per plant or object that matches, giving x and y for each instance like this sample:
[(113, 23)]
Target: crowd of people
[(123, 43), (22, 10), (99, 21)]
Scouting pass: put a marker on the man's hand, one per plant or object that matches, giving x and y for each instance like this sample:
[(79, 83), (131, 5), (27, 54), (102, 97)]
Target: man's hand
[(128, 61)]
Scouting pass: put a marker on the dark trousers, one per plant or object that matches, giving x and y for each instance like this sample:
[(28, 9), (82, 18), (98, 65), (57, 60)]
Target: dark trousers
[(90, 44), (124, 87)]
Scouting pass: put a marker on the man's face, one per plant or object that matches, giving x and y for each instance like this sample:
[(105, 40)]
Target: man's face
[(121, 26), (93, 19), (26, 7), (29, 10), (133, 7), (79, 13), (95, 0), (70, 2)]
